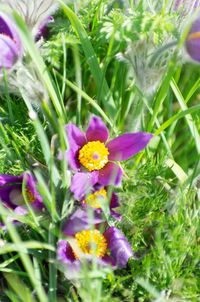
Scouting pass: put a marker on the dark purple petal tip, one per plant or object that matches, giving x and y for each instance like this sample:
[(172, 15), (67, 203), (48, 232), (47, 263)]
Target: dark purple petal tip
[(10, 43), (64, 252)]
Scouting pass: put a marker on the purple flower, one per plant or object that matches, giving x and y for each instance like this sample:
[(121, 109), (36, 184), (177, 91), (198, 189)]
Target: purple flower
[(33, 12), (84, 241), (10, 44), (193, 41), (12, 196), (95, 158), (97, 197)]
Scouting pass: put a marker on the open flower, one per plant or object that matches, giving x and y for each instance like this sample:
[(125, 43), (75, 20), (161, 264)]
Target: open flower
[(193, 41), (11, 192), (97, 198), (84, 242), (95, 157), (10, 44)]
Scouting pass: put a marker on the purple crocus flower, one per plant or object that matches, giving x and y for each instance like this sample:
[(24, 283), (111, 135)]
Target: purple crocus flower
[(83, 241), (12, 196), (10, 44), (193, 41), (95, 158)]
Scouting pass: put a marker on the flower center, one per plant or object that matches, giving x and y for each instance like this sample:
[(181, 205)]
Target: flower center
[(91, 242), (29, 195), (17, 197), (94, 200), (93, 155)]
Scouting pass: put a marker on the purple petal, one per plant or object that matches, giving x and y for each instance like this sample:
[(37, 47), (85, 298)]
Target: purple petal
[(116, 215), (6, 179), (31, 185), (4, 27), (80, 220), (82, 183), (8, 185), (193, 41), (70, 266), (111, 174), (75, 135), (114, 203), (8, 28), (109, 260), (21, 211), (64, 252), (125, 146), (97, 130), (76, 140), (43, 30), (120, 249), (11, 190), (9, 54)]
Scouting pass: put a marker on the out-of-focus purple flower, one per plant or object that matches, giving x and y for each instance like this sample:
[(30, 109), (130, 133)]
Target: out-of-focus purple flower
[(84, 241), (33, 12), (43, 29), (95, 158), (10, 44), (193, 41), (186, 5), (97, 197), (12, 196)]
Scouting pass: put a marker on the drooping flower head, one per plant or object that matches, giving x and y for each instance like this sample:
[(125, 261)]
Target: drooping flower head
[(98, 199), (10, 44), (95, 158), (11, 192), (84, 240), (193, 41)]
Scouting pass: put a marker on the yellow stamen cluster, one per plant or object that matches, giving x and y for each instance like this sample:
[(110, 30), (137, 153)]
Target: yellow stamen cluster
[(91, 242), (93, 155), (94, 200), (29, 195)]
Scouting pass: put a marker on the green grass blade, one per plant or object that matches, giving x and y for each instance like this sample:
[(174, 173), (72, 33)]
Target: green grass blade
[(102, 86), (191, 124)]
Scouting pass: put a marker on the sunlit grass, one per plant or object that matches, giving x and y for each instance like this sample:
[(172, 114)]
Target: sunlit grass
[(159, 196)]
